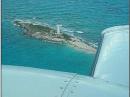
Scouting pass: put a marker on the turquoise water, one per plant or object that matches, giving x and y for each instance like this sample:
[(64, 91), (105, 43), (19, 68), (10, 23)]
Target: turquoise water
[(88, 16)]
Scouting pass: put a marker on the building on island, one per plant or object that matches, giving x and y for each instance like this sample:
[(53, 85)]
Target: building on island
[(58, 28)]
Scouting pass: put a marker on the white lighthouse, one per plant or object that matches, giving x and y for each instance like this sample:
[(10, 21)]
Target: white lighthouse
[(58, 29)]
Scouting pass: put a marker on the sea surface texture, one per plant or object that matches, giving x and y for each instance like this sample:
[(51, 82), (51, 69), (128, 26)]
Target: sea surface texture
[(83, 18)]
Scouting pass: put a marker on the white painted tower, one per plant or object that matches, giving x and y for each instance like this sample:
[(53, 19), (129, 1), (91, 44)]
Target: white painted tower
[(58, 29)]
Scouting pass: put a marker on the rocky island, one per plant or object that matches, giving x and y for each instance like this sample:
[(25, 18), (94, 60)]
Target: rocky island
[(53, 35)]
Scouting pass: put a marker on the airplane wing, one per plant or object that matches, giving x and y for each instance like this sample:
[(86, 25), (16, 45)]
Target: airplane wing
[(110, 75), (113, 61)]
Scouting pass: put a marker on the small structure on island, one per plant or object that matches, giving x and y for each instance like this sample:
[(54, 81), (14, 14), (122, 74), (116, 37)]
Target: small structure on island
[(58, 28)]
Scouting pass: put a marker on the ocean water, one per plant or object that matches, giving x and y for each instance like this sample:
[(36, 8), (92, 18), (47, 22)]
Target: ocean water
[(87, 16)]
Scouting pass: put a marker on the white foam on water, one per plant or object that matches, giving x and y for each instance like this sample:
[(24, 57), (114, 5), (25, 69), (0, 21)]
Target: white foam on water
[(80, 32)]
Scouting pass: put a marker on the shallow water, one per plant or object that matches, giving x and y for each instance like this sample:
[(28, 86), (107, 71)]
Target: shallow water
[(87, 16)]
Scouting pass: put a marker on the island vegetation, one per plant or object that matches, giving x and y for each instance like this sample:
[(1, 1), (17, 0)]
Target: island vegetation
[(48, 33)]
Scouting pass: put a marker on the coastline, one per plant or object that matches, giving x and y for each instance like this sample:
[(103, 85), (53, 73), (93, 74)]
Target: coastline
[(50, 34)]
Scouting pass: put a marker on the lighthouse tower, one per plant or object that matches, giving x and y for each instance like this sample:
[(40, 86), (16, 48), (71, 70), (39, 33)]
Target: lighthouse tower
[(58, 29)]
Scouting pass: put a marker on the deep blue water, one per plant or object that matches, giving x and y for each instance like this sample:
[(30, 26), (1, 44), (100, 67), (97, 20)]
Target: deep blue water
[(88, 16)]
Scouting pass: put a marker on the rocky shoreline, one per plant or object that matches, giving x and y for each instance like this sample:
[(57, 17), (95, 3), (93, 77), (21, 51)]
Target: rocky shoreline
[(50, 34)]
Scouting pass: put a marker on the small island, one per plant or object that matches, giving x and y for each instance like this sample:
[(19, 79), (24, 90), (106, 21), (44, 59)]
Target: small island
[(53, 35)]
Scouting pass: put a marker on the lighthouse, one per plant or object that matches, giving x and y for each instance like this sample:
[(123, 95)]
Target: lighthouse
[(58, 29)]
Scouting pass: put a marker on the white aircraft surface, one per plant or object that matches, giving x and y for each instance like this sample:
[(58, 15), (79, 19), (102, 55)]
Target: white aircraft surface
[(110, 76)]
